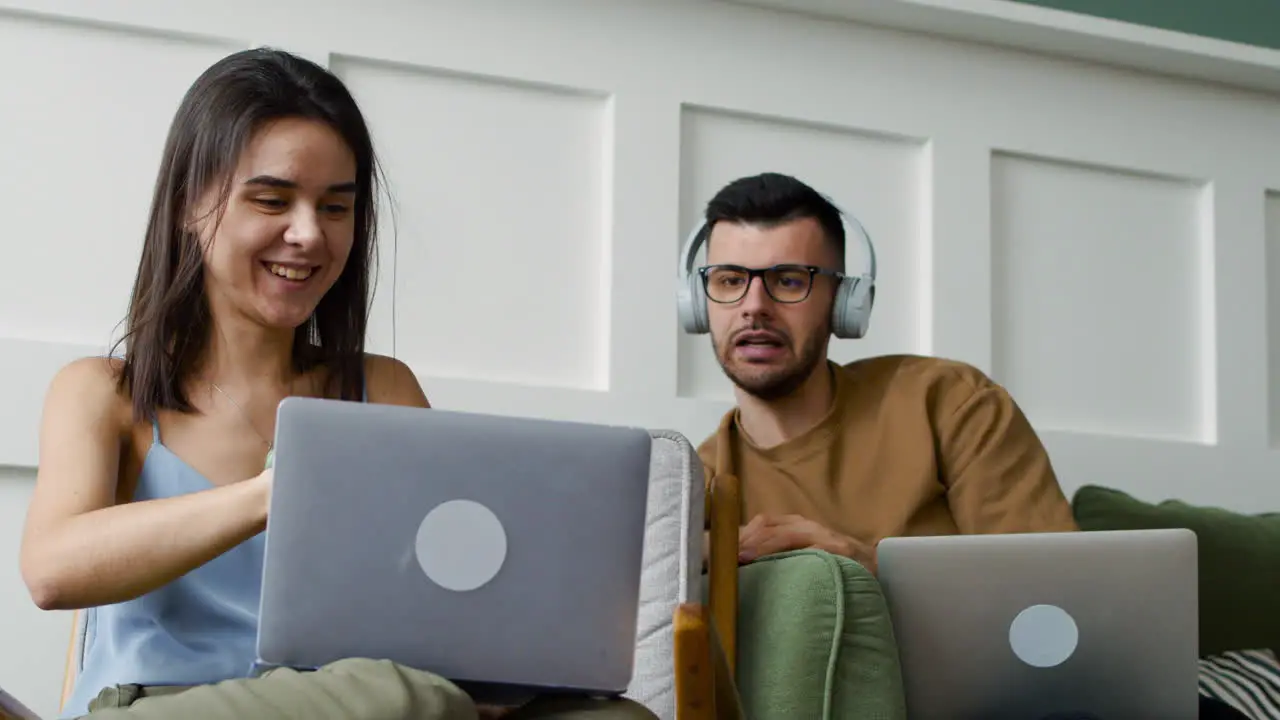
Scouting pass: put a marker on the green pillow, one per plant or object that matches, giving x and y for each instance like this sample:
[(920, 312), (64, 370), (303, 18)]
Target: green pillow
[(815, 641), (1239, 562)]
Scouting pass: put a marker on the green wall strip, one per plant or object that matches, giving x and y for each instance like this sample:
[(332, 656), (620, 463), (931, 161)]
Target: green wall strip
[(1252, 22)]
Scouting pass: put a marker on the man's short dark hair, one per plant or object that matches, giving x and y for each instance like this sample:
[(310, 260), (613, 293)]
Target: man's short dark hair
[(771, 199)]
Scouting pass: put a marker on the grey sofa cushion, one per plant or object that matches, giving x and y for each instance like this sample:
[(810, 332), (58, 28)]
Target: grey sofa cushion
[(672, 566)]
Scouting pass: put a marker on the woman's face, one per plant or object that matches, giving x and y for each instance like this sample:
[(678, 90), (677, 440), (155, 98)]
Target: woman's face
[(287, 228)]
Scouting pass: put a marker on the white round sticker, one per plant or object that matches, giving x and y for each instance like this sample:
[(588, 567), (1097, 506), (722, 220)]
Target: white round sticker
[(461, 545), (1043, 636)]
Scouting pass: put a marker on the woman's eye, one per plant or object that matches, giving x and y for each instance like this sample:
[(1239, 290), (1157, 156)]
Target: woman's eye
[(336, 209), (273, 203)]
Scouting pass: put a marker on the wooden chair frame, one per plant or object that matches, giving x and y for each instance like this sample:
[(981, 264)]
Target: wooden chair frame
[(75, 648), (706, 636)]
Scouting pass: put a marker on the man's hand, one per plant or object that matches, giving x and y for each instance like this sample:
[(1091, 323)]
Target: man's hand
[(767, 535)]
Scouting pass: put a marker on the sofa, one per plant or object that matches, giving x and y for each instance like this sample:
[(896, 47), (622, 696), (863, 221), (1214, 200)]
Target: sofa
[(814, 637)]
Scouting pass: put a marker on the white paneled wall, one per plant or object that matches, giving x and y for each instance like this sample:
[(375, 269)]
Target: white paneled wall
[(1104, 273), (513, 178), (1100, 240)]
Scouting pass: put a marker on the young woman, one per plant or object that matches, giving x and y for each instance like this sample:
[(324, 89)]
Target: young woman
[(154, 478)]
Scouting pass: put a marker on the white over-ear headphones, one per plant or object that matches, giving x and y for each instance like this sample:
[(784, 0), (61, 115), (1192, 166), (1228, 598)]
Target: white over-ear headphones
[(850, 315)]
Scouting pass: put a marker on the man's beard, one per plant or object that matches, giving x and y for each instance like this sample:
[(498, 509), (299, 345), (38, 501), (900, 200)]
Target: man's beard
[(772, 383)]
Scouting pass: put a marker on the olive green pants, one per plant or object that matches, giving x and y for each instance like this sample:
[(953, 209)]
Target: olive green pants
[(353, 689)]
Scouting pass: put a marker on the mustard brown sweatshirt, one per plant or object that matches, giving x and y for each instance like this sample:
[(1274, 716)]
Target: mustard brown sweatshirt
[(911, 446)]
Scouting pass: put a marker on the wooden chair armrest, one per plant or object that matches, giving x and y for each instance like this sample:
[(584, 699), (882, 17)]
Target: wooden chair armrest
[(695, 676), (704, 686), (71, 671), (722, 564), (11, 708), (10, 711)]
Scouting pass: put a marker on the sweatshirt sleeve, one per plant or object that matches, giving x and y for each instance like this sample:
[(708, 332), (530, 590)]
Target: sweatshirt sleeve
[(997, 472)]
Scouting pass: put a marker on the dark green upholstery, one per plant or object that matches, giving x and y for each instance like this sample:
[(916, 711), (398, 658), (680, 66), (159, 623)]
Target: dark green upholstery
[(1239, 562)]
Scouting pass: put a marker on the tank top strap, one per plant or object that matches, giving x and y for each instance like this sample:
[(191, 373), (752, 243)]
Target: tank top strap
[(155, 431)]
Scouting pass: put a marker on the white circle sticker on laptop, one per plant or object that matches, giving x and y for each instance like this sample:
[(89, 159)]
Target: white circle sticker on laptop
[(1043, 636), (461, 545)]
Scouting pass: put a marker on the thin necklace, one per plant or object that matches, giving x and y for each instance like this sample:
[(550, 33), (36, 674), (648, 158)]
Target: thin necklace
[(271, 448)]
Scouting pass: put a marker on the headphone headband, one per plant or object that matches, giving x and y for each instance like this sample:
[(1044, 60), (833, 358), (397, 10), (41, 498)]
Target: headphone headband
[(849, 316)]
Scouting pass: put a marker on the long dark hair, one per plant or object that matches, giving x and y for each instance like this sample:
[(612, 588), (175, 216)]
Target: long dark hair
[(168, 326)]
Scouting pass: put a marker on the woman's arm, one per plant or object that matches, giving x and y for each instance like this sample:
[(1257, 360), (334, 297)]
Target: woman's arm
[(80, 549)]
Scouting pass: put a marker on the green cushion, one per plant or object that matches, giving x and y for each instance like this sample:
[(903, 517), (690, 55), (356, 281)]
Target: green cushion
[(815, 641), (1238, 559)]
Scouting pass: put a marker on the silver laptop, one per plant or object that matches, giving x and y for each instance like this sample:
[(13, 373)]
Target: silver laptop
[(501, 553), (1035, 626)]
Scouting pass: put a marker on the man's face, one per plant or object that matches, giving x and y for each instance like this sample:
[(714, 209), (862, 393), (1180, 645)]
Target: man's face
[(769, 348)]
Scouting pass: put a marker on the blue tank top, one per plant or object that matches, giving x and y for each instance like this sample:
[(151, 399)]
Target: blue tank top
[(200, 628)]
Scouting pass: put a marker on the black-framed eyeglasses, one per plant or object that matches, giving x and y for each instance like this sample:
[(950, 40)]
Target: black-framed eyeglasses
[(784, 283)]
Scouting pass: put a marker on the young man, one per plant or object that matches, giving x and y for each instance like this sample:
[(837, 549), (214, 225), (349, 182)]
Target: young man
[(838, 457)]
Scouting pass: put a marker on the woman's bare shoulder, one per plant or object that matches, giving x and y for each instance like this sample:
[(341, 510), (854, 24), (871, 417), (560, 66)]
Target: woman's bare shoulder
[(93, 385), (93, 373), (392, 382)]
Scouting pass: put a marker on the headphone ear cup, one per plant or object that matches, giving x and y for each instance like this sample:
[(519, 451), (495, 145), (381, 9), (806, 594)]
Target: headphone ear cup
[(692, 306), (851, 313), (691, 299)]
